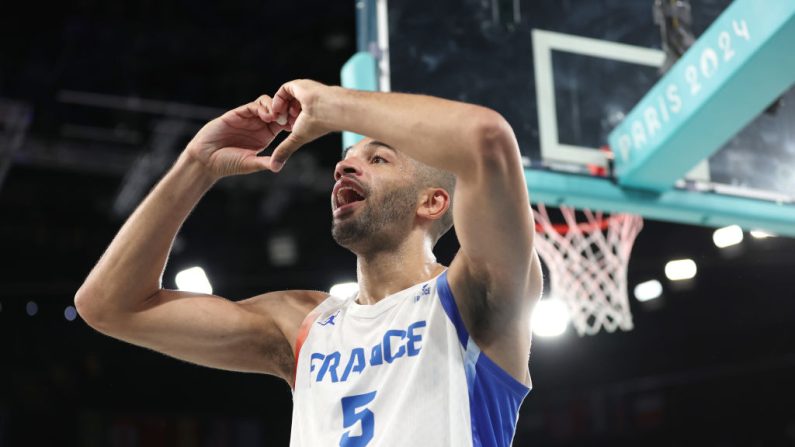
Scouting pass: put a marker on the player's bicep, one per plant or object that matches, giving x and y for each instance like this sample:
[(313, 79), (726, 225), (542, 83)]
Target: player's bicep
[(207, 330)]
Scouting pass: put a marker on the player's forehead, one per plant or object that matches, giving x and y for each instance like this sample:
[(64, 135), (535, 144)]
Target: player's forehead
[(367, 145)]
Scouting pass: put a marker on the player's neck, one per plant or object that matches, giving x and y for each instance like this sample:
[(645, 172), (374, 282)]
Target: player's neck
[(381, 274)]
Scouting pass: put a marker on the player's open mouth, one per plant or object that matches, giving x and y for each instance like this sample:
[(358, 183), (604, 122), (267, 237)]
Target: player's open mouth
[(346, 196)]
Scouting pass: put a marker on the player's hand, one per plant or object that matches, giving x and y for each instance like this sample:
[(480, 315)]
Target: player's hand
[(229, 144), (299, 101)]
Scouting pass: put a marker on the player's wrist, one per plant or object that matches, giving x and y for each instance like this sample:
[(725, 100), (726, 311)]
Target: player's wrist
[(189, 166), (330, 107)]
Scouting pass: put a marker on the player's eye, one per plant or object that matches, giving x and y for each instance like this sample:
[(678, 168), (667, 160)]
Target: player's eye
[(378, 159)]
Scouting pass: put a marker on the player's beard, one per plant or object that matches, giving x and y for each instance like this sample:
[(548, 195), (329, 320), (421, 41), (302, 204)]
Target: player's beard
[(381, 223)]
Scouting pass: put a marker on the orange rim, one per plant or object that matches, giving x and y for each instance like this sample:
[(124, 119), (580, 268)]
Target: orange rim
[(585, 227)]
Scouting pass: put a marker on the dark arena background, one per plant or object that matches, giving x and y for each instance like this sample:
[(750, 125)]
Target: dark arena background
[(98, 98)]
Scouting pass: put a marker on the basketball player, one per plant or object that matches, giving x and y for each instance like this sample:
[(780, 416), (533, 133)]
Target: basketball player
[(423, 354)]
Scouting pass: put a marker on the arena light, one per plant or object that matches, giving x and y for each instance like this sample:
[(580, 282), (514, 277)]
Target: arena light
[(193, 280), (70, 313), (344, 289), (759, 234), (550, 318), (31, 308), (282, 250), (727, 236), (680, 269), (648, 290)]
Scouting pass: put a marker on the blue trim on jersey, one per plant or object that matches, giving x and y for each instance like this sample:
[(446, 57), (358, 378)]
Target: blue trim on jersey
[(494, 395), (450, 308)]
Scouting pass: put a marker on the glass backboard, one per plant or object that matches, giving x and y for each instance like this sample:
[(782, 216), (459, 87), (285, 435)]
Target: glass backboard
[(565, 74)]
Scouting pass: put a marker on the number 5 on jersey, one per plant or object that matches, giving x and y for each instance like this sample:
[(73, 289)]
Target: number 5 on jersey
[(350, 416)]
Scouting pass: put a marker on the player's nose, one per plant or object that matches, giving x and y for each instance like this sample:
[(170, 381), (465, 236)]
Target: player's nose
[(349, 166)]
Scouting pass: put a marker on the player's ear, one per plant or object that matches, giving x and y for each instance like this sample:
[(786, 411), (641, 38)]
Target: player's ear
[(434, 202)]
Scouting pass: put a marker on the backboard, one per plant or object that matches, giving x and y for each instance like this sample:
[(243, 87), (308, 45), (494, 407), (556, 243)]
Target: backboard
[(565, 75)]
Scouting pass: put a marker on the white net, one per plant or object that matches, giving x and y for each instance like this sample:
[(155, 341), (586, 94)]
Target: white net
[(587, 264)]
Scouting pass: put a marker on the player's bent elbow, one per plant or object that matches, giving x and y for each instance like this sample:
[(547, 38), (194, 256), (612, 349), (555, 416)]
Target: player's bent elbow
[(84, 303), (88, 306), (93, 309), (495, 141), (90, 313)]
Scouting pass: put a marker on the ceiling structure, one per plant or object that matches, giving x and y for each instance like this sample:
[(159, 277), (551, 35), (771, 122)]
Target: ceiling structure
[(96, 101)]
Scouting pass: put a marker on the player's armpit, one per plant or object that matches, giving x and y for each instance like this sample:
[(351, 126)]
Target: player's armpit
[(499, 325), (252, 335)]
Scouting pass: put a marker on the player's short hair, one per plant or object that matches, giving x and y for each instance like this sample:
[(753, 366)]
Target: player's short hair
[(430, 177)]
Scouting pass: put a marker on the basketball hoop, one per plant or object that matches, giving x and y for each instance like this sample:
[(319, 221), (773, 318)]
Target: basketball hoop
[(587, 264)]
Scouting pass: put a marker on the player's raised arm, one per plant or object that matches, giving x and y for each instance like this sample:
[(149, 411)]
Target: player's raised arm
[(496, 276), (122, 296)]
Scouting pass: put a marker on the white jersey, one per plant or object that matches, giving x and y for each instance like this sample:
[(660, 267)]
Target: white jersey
[(401, 372)]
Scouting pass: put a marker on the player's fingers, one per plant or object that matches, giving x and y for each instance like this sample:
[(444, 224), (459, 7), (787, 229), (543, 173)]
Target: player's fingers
[(281, 100), (264, 103), (263, 107), (240, 113), (254, 110), (244, 111), (284, 150), (295, 108), (291, 122), (261, 112), (256, 164), (275, 128)]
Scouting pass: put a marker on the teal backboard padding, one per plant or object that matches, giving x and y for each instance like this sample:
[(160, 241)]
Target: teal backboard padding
[(741, 64), (360, 72), (697, 208)]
